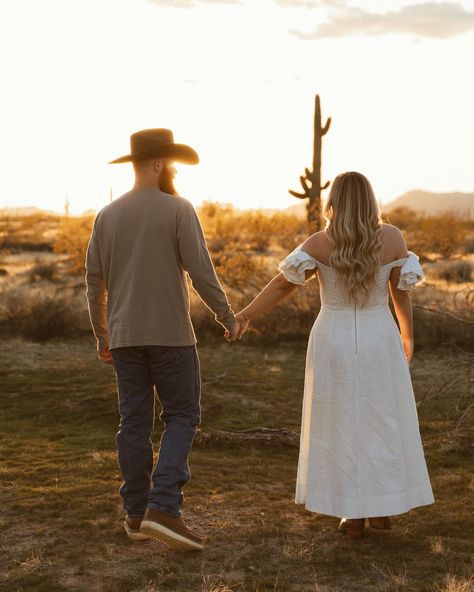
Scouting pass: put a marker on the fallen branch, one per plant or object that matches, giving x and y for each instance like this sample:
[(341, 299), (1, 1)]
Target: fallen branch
[(261, 435), (443, 312)]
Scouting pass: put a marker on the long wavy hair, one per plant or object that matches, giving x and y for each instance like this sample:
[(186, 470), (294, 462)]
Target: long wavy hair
[(354, 228)]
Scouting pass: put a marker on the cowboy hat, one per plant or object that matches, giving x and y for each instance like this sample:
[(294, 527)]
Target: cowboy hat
[(157, 143)]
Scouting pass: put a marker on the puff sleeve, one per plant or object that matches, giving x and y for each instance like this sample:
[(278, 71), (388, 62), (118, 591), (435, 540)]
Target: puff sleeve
[(294, 266), (411, 273)]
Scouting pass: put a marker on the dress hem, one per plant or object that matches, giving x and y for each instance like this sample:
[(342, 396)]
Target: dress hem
[(369, 508)]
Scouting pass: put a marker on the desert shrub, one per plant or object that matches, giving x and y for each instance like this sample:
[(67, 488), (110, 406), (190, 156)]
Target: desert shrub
[(38, 317), (30, 232), (72, 239), (443, 234), (454, 271), (229, 229), (226, 228), (49, 318), (242, 272), (289, 230), (404, 218), (42, 271)]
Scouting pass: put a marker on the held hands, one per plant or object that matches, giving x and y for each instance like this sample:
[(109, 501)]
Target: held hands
[(239, 328)]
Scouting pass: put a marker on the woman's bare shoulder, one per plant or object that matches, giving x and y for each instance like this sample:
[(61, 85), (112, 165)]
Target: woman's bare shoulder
[(392, 232), (390, 229), (394, 242), (317, 245)]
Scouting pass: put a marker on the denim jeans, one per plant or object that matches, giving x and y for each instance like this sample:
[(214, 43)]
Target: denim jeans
[(174, 373)]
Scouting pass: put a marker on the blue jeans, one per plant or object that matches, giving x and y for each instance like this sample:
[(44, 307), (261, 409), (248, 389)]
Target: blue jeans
[(175, 373)]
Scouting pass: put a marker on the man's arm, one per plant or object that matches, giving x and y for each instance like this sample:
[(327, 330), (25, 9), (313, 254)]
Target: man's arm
[(197, 262), (96, 294)]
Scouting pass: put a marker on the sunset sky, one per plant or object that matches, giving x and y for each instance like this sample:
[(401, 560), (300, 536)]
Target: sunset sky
[(236, 80)]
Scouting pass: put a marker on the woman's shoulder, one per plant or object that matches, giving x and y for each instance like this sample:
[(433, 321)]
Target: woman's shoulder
[(391, 230), (394, 242), (317, 240), (318, 245)]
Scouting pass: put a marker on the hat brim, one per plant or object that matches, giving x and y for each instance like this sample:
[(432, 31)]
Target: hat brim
[(176, 152)]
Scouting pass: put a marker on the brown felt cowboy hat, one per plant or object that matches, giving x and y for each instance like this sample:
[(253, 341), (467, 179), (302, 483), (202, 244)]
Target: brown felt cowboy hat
[(157, 143)]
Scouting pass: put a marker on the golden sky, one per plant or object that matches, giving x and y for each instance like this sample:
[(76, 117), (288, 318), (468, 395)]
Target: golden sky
[(236, 80)]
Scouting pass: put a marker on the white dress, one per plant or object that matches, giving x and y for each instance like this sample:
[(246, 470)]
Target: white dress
[(360, 450)]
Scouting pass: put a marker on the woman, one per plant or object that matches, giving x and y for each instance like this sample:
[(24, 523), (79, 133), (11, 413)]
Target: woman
[(360, 450)]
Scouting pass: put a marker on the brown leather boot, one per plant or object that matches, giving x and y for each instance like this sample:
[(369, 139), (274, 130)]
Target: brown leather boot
[(353, 527), (170, 530), (381, 523), (132, 528)]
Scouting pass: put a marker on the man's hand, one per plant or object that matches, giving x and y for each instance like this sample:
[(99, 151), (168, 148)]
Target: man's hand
[(232, 334), (105, 355)]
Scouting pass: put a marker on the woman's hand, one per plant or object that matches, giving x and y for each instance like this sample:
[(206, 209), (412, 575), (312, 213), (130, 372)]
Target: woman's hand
[(244, 323), (408, 346)]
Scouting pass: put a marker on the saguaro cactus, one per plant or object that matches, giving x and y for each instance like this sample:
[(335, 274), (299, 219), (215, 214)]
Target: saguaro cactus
[(311, 180)]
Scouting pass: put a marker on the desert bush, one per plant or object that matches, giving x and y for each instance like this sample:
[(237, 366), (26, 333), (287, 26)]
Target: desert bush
[(404, 218), (38, 317), (229, 229), (72, 239), (443, 234), (42, 271), (48, 318), (454, 271), (30, 232)]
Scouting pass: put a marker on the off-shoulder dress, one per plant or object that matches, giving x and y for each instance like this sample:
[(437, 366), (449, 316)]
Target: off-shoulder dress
[(361, 453)]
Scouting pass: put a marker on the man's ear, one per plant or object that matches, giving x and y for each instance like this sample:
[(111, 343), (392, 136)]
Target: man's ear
[(158, 165)]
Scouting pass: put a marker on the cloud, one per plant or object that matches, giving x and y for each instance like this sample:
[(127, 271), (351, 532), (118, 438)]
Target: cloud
[(309, 3), (190, 3), (438, 20), (298, 3)]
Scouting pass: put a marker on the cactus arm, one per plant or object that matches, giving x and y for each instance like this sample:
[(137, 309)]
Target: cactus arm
[(304, 183), (298, 195), (324, 130)]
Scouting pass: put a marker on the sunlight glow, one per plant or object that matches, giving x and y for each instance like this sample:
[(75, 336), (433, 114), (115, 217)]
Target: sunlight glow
[(79, 77)]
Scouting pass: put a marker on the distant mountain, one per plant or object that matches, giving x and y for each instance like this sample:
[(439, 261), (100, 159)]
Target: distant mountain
[(418, 200), (434, 203), (297, 210)]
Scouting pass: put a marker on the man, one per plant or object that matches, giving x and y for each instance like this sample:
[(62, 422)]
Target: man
[(140, 247)]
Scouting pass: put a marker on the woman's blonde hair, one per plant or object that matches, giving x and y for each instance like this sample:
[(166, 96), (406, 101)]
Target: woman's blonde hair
[(354, 227)]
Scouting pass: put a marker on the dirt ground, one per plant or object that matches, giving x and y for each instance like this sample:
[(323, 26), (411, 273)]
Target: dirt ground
[(61, 515)]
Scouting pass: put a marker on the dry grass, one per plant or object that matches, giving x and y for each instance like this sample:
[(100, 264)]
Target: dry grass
[(62, 517)]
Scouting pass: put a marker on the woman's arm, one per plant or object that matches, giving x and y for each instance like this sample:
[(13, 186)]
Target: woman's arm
[(273, 293), (403, 309), (401, 298)]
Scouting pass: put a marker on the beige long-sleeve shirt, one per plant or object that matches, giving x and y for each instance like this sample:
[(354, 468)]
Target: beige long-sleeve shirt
[(141, 246)]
